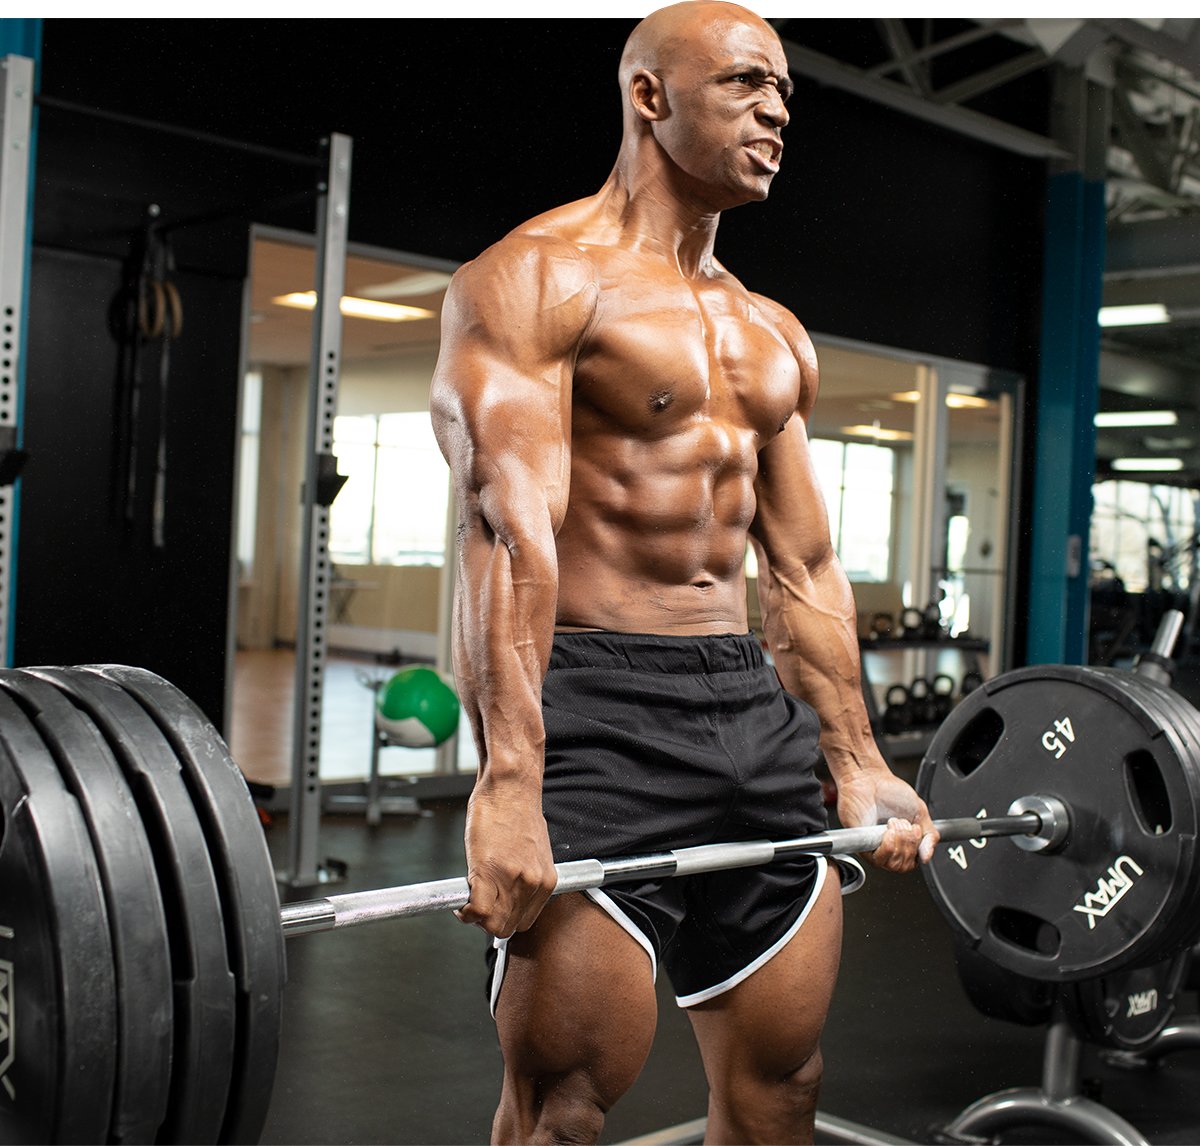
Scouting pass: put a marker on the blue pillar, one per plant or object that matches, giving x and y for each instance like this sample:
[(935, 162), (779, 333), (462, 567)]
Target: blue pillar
[(1083, 471), (1064, 434), (21, 37)]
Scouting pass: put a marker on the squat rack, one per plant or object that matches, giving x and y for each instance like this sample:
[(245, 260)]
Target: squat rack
[(321, 482)]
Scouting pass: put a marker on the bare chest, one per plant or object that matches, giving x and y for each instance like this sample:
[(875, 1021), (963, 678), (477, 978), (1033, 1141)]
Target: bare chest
[(664, 353)]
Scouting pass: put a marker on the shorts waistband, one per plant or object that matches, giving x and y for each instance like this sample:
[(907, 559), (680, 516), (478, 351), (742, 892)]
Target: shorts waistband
[(653, 653)]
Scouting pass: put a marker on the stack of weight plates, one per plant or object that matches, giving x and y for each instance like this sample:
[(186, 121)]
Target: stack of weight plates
[(141, 959)]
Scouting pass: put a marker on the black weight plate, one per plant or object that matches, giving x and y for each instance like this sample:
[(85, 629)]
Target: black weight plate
[(1181, 723), (1110, 897), (203, 985), (1001, 993), (247, 880), (58, 995), (138, 930), (1128, 1009)]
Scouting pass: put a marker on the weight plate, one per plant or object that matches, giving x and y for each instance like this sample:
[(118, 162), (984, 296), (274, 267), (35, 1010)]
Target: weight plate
[(140, 949), (246, 878), (58, 1020), (1181, 723), (1128, 1009), (1111, 896), (1001, 993), (203, 985)]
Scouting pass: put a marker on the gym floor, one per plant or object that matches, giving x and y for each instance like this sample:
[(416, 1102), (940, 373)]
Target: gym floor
[(387, 1038)]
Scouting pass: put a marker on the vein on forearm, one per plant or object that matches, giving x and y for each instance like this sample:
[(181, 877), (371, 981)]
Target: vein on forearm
[(809, 620)]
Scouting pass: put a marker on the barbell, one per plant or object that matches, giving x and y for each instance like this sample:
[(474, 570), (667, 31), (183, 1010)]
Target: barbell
[(142, 940)]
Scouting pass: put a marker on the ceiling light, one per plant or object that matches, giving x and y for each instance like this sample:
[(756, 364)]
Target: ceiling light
[(1138, 418), (967, 402), (1147, 314), (424, 282), (954, 400), (878, 433), (357, 307), (1148, 465)]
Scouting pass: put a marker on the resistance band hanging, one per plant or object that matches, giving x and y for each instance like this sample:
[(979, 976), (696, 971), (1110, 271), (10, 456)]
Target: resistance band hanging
[(147, 317)]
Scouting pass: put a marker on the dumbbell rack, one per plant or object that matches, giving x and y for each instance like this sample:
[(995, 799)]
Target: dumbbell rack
[(913, 744)]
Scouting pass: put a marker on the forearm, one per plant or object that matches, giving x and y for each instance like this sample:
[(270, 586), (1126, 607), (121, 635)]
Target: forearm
[(504, 626), (809, 623)]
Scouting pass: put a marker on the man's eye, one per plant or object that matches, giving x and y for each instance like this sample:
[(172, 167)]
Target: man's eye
[(743, 78)]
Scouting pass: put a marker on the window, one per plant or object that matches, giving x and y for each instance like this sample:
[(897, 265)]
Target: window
[(857, 480), (392, 509), (248, 447), (1143, 534)]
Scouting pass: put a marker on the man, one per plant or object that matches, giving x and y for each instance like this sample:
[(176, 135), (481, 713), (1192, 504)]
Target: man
[(620, 415)]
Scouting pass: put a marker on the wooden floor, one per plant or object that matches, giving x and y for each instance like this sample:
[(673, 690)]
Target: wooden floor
[(261, 733)]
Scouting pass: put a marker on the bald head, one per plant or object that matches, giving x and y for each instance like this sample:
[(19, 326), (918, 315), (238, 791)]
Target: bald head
[(704, 86), (672, 33)]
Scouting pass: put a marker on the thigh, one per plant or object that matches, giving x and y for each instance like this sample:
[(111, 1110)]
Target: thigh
[(577, 1000), (769, 1025)]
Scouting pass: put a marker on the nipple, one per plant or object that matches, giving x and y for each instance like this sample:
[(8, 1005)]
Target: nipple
[(659, 401)]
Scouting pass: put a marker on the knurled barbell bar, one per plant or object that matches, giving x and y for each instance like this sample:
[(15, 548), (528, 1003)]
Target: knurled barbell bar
[(1042, 821), (111, 780)]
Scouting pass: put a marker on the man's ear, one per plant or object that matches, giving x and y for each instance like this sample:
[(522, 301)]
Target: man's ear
[(648, 95)]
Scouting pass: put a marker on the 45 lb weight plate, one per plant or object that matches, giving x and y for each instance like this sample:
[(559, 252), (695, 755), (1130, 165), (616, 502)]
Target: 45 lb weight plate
[(1122, 888)]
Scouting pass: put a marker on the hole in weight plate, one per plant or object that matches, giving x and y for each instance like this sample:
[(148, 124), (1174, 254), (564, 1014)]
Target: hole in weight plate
[(1148, 795), (1028, 932), (974, 744)]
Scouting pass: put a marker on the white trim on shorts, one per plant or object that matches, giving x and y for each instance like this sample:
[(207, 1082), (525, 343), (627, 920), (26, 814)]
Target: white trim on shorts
[(773, 950), (609, 906), (853, 877)]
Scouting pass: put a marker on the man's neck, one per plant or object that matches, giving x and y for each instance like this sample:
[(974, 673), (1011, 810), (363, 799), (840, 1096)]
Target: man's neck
[(654, 215)]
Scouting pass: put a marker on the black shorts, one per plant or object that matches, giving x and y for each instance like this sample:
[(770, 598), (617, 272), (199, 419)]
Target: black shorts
[(655, 743)]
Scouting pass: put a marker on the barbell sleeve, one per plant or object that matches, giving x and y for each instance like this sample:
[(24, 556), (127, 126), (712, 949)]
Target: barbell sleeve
[(351, 908)]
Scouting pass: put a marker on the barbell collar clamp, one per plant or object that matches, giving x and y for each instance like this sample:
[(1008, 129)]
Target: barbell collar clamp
[(1044, 819), (1055, 823)]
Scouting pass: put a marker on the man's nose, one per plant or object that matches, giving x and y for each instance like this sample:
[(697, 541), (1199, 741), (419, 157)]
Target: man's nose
[(773, 108)]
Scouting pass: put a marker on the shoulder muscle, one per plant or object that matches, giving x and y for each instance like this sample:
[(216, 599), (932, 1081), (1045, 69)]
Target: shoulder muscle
[(798, 341)]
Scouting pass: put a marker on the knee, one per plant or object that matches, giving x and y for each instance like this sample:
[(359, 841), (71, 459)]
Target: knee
[(767, 1104), (569, 1120), (550, 1112), (800, 1086)]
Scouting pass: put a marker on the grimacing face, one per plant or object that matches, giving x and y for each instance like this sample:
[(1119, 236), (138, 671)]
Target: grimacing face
[(726, 97)]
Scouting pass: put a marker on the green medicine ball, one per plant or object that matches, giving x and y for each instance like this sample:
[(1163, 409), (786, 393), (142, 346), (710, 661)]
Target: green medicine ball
[(417, 708)]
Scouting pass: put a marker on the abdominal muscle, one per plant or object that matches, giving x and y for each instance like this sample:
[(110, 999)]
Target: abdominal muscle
[(654, 549)]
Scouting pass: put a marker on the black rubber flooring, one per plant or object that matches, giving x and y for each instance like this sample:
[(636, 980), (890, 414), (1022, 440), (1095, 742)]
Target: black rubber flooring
[(387, 1037)]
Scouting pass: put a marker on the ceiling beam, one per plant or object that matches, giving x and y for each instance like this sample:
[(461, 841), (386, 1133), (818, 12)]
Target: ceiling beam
[(1153, 247), (1131, 131), (1184, 53), (992, 78), (964, 121), (896, 35), (940, 47)]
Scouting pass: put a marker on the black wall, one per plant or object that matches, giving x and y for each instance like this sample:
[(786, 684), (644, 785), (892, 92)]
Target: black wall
[(879, 228), (92, 587)]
